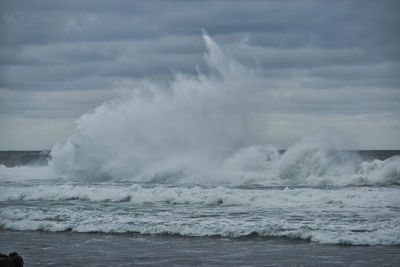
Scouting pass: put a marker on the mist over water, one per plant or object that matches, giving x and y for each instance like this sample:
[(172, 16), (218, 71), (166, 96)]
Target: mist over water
[(202, 129)]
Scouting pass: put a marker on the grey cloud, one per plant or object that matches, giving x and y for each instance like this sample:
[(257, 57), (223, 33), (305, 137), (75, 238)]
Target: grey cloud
[(345, 52), (51, 105)]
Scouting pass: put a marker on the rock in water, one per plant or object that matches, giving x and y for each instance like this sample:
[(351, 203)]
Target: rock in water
[(12, 260)]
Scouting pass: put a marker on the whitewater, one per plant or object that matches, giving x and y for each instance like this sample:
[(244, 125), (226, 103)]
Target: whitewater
[(189, 159)]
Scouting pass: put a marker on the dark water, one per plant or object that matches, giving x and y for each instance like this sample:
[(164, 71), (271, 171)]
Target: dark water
[(377, 154), (20, 158), (80, 249)]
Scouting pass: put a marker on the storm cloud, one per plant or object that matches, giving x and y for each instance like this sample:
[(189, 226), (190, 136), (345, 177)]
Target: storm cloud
[(331, 65)]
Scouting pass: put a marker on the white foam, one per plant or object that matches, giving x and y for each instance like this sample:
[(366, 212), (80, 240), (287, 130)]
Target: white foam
[(351, 215), (26, 173), (222, 196)]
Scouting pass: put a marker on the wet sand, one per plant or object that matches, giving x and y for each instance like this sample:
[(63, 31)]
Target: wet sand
[(85, 249)]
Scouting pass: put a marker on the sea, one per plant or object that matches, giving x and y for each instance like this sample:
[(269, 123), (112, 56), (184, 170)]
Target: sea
[(307, 215), (190, 172)]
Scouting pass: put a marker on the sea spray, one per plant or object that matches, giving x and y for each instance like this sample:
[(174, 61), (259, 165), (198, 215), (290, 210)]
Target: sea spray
[(187, 129), (202, 129)]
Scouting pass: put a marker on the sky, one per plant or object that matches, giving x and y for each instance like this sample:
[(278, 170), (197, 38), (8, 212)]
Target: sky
[(333, 64)]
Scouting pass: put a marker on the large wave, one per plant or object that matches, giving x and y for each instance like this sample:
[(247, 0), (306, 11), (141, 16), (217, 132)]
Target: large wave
[(190, 127), (201, 129)]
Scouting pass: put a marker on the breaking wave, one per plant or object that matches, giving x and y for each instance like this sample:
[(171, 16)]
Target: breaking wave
[(201, 129)]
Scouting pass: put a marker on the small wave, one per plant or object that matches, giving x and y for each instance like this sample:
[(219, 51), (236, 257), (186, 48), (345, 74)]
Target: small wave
[(64, 220), (257, 197), (310, 164)]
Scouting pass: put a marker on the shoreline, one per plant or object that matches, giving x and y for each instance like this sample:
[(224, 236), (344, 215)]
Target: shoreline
[(40, 248)]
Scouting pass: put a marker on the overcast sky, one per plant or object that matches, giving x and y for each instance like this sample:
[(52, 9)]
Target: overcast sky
[(60, 59)]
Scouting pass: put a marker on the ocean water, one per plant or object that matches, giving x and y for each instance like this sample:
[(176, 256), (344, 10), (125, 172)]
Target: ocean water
[(190, 160), (361, 207)]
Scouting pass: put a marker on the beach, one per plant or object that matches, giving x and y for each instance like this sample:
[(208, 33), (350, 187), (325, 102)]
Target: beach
[(96, 249)]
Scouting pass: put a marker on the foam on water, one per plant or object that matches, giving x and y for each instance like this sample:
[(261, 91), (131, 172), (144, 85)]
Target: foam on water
[(303, 164), (353, 215)]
